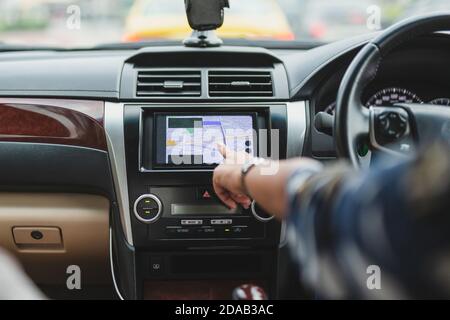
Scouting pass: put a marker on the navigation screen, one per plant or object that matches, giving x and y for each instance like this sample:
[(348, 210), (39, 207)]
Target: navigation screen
[(193, 139)]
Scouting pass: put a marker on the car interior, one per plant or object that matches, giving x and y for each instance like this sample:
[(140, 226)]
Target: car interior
[(88, 178)]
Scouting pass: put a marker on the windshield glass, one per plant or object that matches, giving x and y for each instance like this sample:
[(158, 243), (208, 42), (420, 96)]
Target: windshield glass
[(84, 23)]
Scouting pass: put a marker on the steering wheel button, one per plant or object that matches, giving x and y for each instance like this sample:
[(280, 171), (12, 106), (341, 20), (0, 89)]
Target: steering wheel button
[(393, 116), (383, 116)]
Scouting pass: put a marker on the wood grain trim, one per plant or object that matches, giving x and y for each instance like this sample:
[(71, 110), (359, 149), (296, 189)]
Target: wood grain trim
[(91, 108), (67, 122), (194, 289)]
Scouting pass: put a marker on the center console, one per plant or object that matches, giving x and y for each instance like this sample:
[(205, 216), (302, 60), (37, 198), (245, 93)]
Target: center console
[(171, 153), (181, 232)]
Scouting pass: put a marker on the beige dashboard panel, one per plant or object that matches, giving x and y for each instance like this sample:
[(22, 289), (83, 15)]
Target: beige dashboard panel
[(69, 229)]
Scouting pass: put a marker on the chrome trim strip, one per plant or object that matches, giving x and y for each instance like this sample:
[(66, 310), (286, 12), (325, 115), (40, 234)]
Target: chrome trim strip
[(296, 128), (116, 287), (115, 136), (283, 236), (297, 124)]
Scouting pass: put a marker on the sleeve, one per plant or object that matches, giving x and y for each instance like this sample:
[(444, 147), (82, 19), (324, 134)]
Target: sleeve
[(392, 218), (310, 193)]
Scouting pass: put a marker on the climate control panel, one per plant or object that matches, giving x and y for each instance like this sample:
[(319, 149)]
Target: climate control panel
[(172, 213), (212, 228)]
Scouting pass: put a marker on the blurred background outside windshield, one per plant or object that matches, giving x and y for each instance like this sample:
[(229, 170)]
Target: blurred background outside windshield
[(84, 23)]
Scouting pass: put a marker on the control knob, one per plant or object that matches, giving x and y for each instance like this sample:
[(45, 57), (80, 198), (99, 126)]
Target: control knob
[(147, 208), (259, 213)]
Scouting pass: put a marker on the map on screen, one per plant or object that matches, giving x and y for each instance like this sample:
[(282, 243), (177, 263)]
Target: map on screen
[(194, 138)]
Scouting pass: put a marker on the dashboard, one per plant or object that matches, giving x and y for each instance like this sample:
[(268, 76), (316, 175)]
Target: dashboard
[(139, 130), (390, 96)]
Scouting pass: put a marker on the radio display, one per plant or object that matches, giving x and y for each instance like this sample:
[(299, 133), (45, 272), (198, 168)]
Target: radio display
[(191, 139)]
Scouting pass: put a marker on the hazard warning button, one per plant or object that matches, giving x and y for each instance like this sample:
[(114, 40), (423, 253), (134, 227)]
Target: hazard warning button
[(206, 193)]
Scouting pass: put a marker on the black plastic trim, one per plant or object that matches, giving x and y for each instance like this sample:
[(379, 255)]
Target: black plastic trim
[(29, 167), (34, 166)]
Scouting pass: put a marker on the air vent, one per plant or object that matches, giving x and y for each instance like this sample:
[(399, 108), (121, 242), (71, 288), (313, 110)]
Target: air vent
[(168, 84), (240, 84)]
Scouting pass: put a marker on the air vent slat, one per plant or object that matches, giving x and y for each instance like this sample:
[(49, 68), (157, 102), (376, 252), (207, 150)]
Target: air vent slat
[(230, 84), (145, 76), (255, 92), (168, 83), (162, 93), (240, 84), (245, 75), (185, 84)]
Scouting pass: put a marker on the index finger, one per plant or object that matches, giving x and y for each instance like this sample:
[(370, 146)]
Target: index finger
[(222, 149)]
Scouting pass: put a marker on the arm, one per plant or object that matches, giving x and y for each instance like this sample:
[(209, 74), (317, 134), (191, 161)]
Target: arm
[(345, 224), (265, 183)]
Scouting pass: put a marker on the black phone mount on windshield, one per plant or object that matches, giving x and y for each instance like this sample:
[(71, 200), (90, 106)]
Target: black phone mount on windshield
[(204, 17)]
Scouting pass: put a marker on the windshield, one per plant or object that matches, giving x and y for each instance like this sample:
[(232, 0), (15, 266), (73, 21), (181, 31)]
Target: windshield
[(85, 23)]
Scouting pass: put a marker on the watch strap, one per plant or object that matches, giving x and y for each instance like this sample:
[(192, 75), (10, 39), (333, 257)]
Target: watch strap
[(246, 168)]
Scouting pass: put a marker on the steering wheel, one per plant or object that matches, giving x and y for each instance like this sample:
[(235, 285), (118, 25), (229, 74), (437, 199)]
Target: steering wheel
[(396, 130)]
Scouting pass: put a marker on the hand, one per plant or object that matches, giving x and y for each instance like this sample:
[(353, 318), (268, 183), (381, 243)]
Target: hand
[(227, 180)]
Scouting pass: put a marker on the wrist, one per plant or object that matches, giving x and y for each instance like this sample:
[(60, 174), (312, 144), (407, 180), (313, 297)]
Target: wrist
[(245, 170)]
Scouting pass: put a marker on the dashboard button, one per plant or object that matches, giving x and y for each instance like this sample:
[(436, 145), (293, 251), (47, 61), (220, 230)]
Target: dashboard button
[(156, 265), (147, 208), (206, 194), (227, 230), (191, 222), (221, 221)]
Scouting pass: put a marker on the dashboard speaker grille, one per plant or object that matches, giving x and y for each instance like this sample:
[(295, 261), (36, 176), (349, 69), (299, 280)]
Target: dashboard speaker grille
[(168, 83), (240, 84)]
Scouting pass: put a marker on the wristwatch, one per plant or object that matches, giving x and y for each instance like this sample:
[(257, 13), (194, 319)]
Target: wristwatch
[(246, 167)]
